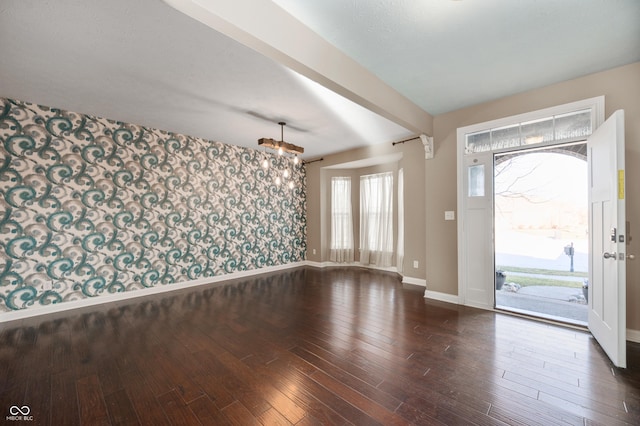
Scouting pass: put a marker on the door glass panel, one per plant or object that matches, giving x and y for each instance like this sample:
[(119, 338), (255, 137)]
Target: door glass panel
[(538, 131), (505, 137), (476, 181), (478, 142), (575, 125)]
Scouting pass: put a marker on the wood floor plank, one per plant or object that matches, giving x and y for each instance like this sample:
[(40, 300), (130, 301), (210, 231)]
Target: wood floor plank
[(156, 380), (211, 381), (482, 394), (146, 406), (93, 410), (120, 408), (342, 362), (309, 346), (513, 417), (245, 393), (207, 412), (273, 417), (290, 380), (39, 391), (179, 377), (577, 397), (336, 402), (358, 400), (309, 420), (109, 376), (289, 409), (64, 397), (612, 418), (176, 410), (349, 376), (239, 415)]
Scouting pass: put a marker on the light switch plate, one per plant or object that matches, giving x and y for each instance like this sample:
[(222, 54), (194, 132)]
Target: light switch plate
[(450, 215)]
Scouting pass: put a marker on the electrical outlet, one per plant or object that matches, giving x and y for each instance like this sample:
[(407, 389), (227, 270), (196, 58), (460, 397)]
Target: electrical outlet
[(314, 251), (416, 264)]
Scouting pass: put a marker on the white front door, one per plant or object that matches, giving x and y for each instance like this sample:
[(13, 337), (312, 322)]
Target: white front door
[(607, 238), (476, 269)]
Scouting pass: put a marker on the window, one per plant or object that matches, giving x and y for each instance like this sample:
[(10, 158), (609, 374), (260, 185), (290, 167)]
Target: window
[(341, 220), (376, 219), (476, 180), (565, 127)]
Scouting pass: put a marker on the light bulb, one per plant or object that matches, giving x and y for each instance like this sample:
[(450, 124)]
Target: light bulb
[(290, 184), (295, 160), (265, 164), (280, 151), (278, 181), (285, 173)]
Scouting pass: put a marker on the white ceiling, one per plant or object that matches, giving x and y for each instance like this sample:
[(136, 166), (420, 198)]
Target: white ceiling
[(144, 62)]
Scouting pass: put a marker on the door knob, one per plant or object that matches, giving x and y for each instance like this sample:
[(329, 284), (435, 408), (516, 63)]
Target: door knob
[(609, 255), (631, 256)]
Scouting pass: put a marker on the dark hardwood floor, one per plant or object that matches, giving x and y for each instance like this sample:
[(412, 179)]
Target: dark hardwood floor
[(305, 347)]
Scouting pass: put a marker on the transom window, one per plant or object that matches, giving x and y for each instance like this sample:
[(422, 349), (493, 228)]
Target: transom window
[(568, 127)]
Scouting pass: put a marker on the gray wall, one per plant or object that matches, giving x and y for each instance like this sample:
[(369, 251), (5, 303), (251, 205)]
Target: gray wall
[(431, 185)]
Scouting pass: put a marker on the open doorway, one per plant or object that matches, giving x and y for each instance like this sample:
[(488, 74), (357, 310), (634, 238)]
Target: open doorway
[(541, 232)]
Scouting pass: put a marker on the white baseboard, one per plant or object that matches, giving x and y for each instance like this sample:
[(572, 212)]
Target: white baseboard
[(349, 264), (405, 279), (633, 335), (443, 297), (414, 281), (117, 297)]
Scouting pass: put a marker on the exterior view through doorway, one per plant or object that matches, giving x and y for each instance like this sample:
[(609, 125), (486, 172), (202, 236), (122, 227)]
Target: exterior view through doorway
[(541, 232)]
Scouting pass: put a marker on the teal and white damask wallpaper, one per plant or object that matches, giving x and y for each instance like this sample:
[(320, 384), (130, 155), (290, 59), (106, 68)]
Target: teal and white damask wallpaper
[(91, 206)]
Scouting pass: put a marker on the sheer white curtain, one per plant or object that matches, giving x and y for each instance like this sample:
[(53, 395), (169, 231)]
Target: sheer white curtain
[(376, 219), (341, 220), (400, 249)]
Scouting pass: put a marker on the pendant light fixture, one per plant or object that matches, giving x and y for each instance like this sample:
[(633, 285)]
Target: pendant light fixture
[(282, 148)]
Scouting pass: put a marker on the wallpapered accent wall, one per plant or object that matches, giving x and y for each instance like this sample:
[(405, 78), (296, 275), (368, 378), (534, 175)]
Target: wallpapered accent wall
[(91, 206)]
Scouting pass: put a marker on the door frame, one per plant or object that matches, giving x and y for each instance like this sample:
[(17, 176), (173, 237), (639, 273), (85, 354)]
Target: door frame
[(478, 289)]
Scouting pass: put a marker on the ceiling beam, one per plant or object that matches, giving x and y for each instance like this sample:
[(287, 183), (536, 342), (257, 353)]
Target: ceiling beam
[(268, 29)]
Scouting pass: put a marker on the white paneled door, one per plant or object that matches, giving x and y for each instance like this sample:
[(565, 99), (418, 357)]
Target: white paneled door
[(607, 238)]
